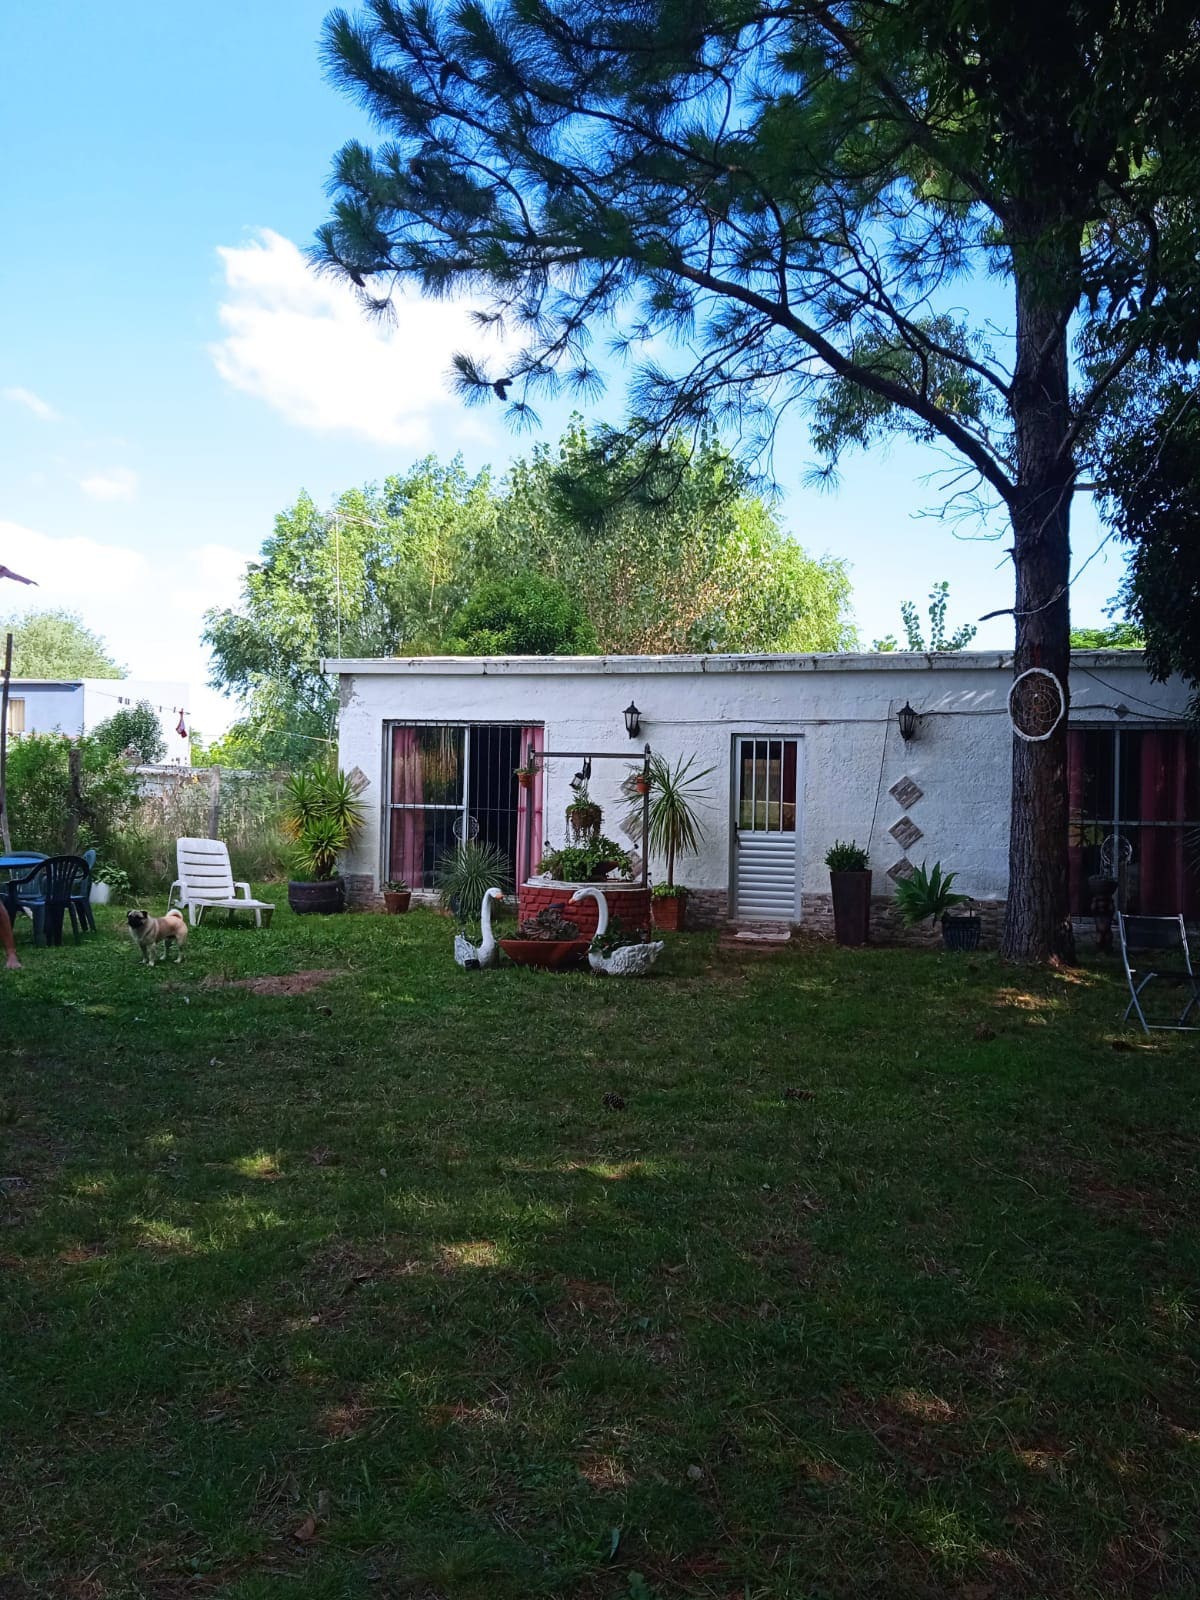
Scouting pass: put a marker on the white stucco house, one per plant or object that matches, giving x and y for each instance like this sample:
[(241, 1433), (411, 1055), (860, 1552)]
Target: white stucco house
[(803, 751), (75, 706)]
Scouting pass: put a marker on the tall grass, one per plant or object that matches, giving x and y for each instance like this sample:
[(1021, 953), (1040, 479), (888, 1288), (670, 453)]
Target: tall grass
[(249, 823)]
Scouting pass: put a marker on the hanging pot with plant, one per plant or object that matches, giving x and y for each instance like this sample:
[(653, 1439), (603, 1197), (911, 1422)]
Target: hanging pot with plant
[(525, 776), (850, 889)]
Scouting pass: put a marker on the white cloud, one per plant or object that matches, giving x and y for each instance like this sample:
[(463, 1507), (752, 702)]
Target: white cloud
[(118, 483), (32, 402), (148, 608), (304, 345)]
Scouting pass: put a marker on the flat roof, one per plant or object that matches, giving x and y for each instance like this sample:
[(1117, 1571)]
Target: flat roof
[(45, 683), (563, 666)]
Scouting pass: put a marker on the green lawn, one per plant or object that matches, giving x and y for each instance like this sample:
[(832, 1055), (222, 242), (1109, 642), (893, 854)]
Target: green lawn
[(882, 1281)]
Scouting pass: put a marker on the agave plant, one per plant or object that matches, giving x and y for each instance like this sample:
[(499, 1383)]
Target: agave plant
[(465, 875), (322, 817), (927, 894)]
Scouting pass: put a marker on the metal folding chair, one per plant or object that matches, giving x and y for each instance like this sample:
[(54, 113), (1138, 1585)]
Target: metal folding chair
[(1145, 936)]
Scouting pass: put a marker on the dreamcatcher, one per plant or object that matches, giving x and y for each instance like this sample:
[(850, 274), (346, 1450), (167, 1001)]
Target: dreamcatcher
[(1036, 704), (466, 828)]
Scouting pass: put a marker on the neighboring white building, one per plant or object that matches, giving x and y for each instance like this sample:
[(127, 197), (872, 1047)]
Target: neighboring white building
[(804, 750), (76, 705)]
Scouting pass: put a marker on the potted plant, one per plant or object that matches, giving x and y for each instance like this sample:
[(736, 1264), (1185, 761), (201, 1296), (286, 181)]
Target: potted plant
[(110, 883), (590, 861), (927, 895), (668, 903), (525, 774), (584, 816), (322, 816), (673, 829), (547, 940), (397, 896), (850, 888)]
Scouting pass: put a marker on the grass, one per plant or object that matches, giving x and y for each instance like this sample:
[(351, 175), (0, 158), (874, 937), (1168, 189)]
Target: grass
[(881, 1282)]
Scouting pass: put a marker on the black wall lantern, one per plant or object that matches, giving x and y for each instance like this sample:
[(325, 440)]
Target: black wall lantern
[(908, 720), (633, 720)]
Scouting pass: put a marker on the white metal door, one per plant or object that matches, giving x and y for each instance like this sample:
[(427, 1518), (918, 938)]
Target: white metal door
[(766, 824)]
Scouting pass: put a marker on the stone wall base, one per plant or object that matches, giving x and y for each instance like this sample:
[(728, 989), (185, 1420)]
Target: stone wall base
[(887, 926)]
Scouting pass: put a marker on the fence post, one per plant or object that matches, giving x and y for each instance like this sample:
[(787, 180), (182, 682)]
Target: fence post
[(75, 797), (214, 802)]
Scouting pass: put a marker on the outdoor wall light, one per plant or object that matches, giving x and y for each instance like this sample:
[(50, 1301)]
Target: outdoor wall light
[(633, 720), (908, 720)]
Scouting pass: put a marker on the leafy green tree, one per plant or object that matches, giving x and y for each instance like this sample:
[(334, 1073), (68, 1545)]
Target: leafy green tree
[(789, 192), (56, 644), (668, 550), (387, 568), (522, 616), (40, 800), (135, 733), (1148, 458), (1117, 636), (939, 641)]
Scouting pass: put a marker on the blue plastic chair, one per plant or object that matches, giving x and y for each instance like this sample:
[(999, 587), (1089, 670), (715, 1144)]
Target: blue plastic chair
[(82, 902), (49, 892)]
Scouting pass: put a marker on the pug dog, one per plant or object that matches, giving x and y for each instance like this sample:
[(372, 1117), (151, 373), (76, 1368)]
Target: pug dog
[(149, 932)]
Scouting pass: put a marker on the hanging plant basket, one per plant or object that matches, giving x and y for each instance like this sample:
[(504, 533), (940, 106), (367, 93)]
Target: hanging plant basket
[(525, 779)]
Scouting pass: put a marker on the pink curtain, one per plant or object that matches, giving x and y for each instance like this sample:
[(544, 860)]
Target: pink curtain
[(530, 800), (1162, 779), (1075, 758), (406, 854)]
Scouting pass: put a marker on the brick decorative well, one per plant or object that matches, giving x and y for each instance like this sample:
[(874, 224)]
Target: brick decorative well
[(628, 901)]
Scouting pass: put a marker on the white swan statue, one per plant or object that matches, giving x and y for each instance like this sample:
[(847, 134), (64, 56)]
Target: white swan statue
[(487, 952), (628, 960)]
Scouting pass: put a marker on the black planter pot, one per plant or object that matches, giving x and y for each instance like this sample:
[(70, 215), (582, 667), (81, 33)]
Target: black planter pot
[(851, 892), (961, 933), (317, 899)]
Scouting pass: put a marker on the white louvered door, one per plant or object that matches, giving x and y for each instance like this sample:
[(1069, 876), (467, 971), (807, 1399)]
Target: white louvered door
[(766, 787)]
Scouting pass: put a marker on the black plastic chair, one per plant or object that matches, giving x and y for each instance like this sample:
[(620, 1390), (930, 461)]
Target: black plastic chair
[(1148, 936), (49, 893)]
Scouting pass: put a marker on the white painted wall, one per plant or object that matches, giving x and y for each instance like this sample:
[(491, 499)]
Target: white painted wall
[(77, 707), (50, 707), (103, 697), (843, 708)]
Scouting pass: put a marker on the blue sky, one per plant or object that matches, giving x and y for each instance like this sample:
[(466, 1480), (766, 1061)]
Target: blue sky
[(171, 375)]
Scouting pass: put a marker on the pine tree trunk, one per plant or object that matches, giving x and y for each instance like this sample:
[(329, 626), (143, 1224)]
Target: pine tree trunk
[(1038, 924)]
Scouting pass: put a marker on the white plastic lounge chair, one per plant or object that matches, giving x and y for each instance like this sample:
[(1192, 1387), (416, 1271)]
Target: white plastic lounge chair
[(206, 880)]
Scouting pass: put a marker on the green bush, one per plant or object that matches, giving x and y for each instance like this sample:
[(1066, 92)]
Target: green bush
[(134, 734), (842, 857), (41, 805), (589, 862)]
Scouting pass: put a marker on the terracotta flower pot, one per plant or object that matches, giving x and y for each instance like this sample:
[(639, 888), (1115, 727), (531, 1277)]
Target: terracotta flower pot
[(556, 954), (525, 779), (851, 892), (670, 912), (397, 901), (641, 785)]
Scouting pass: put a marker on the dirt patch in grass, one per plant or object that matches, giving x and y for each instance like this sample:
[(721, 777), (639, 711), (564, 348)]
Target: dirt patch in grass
[(286, 986)]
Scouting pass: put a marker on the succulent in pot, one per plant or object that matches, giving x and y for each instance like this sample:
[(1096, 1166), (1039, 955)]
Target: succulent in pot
[(397, 896)]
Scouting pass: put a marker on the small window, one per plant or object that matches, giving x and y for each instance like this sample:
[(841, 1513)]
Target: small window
[(16, 716)]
